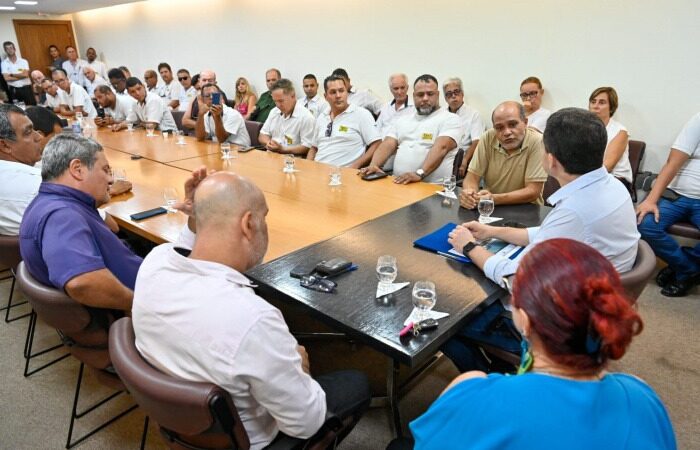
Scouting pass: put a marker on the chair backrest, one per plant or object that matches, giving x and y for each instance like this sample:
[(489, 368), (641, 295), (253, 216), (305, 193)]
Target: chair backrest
[(636, 279), (198, 414), (636, 153), (177, 115), (85, 337), (253, 130), (550, 187), (459, 156), (9, 252)]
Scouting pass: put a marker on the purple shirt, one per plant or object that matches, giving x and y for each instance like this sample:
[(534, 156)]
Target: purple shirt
[(62, 236)]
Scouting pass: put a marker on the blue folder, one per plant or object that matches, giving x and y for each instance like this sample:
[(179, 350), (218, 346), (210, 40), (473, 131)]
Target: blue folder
[(436, 242)]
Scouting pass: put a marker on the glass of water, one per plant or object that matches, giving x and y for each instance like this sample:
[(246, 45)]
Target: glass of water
[(78, 116), (150, 128), (288, 163), (170, 196), (119, 174), (335, 176), (424, 297), (129, 125), (386, 269), (180, 137), (485, 207), (449, 184), (225, 150)]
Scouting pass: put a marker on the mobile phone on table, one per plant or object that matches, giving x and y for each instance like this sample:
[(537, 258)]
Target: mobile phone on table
[(375, 176), (216, 98), (150, 213)]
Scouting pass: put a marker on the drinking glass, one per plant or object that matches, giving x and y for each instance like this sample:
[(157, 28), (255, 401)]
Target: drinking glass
[(449, 184), (170, 196), (288, 164), (485, 207), (165, 134), (119, 174), (150, 127), (180, 137), (335, 176), (129, 125), (424, 297), (78, 116), (225, 150), (386, 269)]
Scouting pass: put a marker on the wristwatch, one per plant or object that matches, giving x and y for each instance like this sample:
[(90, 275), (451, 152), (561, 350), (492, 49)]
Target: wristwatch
[(420, 173), (468, 247)]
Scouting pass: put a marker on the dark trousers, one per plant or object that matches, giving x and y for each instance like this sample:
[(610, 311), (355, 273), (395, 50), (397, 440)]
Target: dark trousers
[(22, 94)]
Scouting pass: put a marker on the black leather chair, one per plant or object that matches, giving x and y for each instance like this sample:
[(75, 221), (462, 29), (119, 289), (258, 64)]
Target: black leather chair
[(253, 129), (636, 154)]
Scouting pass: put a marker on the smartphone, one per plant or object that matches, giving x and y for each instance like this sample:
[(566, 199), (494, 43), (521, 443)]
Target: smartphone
[(150, 213), (216, 98), (101, 113), (375, 176)]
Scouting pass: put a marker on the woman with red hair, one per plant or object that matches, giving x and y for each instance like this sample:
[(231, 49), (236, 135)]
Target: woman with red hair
[(571, 310)]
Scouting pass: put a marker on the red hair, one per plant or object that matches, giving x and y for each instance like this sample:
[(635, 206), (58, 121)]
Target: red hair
[(576, 304)]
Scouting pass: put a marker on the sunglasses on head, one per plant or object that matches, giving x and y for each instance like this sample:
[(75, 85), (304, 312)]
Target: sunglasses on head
[(329, 129)]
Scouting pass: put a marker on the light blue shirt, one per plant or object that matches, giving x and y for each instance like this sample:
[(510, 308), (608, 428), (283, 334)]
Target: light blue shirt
[(595, 209)]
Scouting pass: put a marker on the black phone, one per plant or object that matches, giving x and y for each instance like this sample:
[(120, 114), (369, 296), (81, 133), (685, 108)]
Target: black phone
[(150, 213), (216, 98), (375, 176), (303, 269), (101, 113), (333, 266)]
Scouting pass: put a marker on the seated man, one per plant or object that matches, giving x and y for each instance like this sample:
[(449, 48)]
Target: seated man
[(37, 78), (679, 203), (98, 66), (149, 108), (312, 100), (54, 96), (173, 94), (345, 135), (290, 127), (399, 107), (219, 122), (189, 119), (92, 80), (232, 337), (265, 103), (152, 85), (74, 98), (425, 142), (508, 159), (591, 206), (118, 82), (364, 99), (190, 92), (116, 108), (63, 241), (471, 120)]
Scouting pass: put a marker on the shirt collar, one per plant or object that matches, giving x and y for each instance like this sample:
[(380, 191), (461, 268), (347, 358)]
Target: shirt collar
[(579, 183), (206, 268), (405, 105), (67, 191)]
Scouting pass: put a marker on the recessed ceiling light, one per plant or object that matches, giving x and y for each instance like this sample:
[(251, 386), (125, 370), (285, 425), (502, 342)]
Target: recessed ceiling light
[(7, 8), (23, 2)]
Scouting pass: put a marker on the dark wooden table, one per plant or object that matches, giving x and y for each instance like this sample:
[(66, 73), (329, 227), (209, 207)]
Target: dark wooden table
[(354, 310)]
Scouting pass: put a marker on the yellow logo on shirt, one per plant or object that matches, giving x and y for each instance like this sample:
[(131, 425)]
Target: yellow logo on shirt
[(343, 128), (289, 139), (427, 136)]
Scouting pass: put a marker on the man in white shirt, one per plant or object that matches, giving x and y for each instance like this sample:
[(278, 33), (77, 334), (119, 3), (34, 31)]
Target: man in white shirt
[(425, 143), (98, 66), (230, 336), (53, 95), (364, 99), (219, 122), (149, 108), (190, 94), (92, 80), (37, 77), (312, 100), (152, 84), (75, 97), (346, 134), (15, 71), (117, 80), (531, 93), (400, 106), (116, 107), (73, 66), (173, 94), (675, 197), (290, 127), (591, 207), (472, 122)]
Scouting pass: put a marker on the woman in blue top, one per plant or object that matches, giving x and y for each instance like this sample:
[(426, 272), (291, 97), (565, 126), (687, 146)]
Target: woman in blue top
[(569, 305)]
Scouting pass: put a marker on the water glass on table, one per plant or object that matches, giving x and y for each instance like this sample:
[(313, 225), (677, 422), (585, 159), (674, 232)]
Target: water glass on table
[(386, 270), (119, 174), (170, 196), (288, 163), (449, 184), (150, 129), (129, 125), (334, 176), (485, 207), (225, 150), (424, 298), (180, 137)]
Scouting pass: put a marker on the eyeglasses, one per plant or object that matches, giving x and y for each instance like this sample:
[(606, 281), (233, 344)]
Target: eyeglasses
[(456, 92), (183, 78), (329, 129), (526, 95)]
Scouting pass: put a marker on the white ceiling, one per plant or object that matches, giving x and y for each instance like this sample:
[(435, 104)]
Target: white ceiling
[(60, 6)]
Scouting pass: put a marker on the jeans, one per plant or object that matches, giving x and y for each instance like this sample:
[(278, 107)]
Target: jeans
[(489, 327), (685, 261)]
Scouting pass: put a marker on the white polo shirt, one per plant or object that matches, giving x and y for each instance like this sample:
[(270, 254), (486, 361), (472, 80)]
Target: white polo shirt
[(363, 99), (233, 123), (20, 184), (153, 110), (13, 68), (99, 67), (417, 134), (687, 181), (315, 105), (91, 85), (78, 96), (623, 168), (174, 91), (75, 71), (123, 106), (295, 129), (472, 124), (352, 131), (189, 96), (389, 115), (538, 119), (54, 101)]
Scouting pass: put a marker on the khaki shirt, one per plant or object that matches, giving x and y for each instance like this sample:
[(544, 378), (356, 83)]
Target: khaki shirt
[(507, 173)]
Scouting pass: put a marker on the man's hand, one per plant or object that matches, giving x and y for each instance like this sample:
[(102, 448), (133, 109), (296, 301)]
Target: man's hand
[(408, 177), (304, 358), (479, 230), (119, 187), (187, 204), (645, 208), (468, 198), (273, 146), (119, 126), (459, 237), (372, 168), (216, 110), (101, 122)]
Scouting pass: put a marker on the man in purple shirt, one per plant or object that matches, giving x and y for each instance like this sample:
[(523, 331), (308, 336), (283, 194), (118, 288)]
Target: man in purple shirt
[(63, 241)]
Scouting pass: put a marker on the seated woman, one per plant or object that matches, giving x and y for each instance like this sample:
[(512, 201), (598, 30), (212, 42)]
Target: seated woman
[(245, 98), (603, 102), (571, 309)]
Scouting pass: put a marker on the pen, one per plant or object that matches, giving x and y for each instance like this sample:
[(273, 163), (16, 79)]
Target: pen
[(407, 329)]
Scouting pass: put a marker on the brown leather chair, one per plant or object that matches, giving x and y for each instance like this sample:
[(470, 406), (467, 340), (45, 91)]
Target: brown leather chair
[(636, 279), (550, 187), (9, 259), (636, 154), (191, 415), (459, 156), (685, 229), (253, 131), (177, 116), (85, 333)]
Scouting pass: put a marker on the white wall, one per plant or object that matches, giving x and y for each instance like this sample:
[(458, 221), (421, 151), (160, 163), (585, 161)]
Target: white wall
[(647, 50)]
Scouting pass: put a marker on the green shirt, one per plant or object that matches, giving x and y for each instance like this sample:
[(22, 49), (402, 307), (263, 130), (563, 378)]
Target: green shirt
[(263, 108)]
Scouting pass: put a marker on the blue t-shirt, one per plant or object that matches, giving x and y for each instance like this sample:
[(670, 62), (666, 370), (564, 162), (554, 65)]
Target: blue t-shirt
[(62, 236), (537, 411)]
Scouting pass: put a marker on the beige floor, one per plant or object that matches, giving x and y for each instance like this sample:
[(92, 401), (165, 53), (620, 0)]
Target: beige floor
[(34, 411)]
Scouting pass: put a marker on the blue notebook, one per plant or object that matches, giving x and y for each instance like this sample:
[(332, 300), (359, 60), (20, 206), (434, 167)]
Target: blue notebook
[(436, 242)]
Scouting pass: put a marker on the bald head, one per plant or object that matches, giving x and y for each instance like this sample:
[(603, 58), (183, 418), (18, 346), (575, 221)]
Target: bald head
[(224, 197), (37, 76), (207, 76), (509, 108)]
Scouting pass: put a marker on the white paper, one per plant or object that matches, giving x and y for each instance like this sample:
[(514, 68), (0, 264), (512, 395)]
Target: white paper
[(483, 219), (451, 195), (413, 318), (386, 289)]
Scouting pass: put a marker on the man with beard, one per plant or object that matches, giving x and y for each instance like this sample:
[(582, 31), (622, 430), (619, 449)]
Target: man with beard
[(425, 143)]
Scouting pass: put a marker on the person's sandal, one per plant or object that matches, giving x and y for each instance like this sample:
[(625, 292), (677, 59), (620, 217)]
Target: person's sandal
[(680, 288), (665, 276)]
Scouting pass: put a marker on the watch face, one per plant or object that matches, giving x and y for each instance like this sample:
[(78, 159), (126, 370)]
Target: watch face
[(420, 172)]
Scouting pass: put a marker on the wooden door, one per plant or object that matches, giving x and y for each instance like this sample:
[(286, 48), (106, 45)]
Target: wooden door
[(35, 36)]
